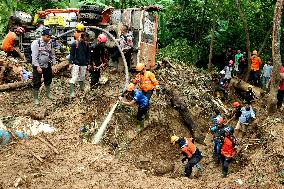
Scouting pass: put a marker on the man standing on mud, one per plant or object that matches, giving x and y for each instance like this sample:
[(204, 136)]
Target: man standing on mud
[(43, 57)]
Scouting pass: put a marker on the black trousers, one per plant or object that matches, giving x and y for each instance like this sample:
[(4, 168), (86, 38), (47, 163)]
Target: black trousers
[(141, 113), (47, 75), (95, 76), (280, 96), (225, 166), (196, 157)]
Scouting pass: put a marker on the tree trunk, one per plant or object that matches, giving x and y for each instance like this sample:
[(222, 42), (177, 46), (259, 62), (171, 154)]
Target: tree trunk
[(276, 36), (244, 86), (245, 25), (265, 40), (187, 118), (212, 43), (20, 84)]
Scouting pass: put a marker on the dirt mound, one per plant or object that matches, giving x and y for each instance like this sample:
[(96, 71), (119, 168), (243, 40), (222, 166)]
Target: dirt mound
[(124, 159)]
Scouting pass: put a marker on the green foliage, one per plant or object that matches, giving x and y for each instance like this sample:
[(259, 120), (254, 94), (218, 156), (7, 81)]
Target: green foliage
[(180, 50)]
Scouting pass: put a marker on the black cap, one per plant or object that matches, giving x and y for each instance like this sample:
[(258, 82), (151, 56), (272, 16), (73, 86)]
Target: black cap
[(46, 31)]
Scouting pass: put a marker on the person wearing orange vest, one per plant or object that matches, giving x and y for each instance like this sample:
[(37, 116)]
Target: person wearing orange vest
[(255, 67), (190, 151), (11, 42), (228, 149), (146, 80)]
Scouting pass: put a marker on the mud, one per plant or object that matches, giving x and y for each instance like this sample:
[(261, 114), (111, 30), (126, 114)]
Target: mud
[(125, 159)]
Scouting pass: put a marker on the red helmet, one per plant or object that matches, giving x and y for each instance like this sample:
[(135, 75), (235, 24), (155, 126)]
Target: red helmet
[(220, 120), (102, 38), (231, 62), (20, 30), (236, 104)]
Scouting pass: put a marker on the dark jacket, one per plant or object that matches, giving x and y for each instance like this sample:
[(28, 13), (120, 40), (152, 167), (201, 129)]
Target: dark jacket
[(80, 53), (98, 54)]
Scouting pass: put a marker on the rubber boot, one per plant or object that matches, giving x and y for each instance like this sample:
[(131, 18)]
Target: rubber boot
[(82, 85), (72, 92), (140, 126), (47, 92), (36, 96)]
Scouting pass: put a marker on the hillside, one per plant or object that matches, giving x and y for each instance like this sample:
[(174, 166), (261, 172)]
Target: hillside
[(124, 159)]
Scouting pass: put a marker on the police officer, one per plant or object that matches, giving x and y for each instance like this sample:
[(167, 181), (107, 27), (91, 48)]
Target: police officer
[(43, 57)]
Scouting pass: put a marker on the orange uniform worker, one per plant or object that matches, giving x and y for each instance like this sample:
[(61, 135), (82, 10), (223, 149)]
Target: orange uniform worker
[(146, 80), (228, 149), (190, 151), (11, 42), (255, 66)]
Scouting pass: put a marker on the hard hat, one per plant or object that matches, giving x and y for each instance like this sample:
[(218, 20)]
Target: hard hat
[(229, 130), (254, 52), (20, 30), (220, 120), (130, 87), (236, 104), (174, 139), (140, 67), (102, 38), (231, 62), (46, 31), (80, 27), (222, 72)]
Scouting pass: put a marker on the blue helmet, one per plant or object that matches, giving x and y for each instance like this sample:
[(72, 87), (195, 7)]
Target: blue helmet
[(229, 130)]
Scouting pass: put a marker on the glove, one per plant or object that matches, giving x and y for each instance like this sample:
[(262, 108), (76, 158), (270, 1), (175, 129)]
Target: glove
[(184, 159)]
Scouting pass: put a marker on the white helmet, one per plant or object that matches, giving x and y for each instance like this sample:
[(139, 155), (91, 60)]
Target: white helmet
[(222, 72)]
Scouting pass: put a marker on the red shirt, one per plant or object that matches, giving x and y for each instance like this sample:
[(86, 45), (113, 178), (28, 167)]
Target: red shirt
[(281, 86), (227, 149)]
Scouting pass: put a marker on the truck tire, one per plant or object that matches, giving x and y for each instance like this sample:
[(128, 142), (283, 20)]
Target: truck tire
[(91, 9)]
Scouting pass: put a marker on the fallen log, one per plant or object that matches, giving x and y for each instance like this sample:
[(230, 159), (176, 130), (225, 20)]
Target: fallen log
[(20, 84), (238, 83), (187, 118)]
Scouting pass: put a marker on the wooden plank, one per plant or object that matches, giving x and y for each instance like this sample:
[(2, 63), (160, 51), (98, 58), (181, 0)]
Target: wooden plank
[(48, 144)]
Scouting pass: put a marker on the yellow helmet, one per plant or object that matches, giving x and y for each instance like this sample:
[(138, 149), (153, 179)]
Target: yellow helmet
[(80, 27), (174, 139)]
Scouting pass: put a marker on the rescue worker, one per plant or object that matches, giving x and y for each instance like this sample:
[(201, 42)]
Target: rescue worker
[(141, 100), (146, 80), (43, 57), (80, 28), (126, 45), (228, 150), (228, 71), (280, 93), (11, 43), (255, 66), (40, 27), (218, 136), (247, 116), (250, 96), (190, 151), (98, 59), (237, 110), (214, 118), (79, 58)]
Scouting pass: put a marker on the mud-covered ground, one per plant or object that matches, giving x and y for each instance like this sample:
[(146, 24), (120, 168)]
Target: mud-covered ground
[(124, 159)]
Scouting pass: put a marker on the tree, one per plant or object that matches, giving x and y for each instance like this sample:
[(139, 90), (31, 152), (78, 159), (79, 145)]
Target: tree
[(276, 36), (245, 25)]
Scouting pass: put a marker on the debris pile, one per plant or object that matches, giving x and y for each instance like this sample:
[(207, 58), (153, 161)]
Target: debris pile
[(12, 70)]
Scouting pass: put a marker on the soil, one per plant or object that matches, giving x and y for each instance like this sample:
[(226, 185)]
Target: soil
[(124, 159)]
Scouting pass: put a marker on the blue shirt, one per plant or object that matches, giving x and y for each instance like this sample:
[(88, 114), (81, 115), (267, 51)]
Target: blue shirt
[(140, 99), (267, 69), (246, 115)]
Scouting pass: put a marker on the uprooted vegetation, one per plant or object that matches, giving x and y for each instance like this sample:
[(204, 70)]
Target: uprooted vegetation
[(127, 160)]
